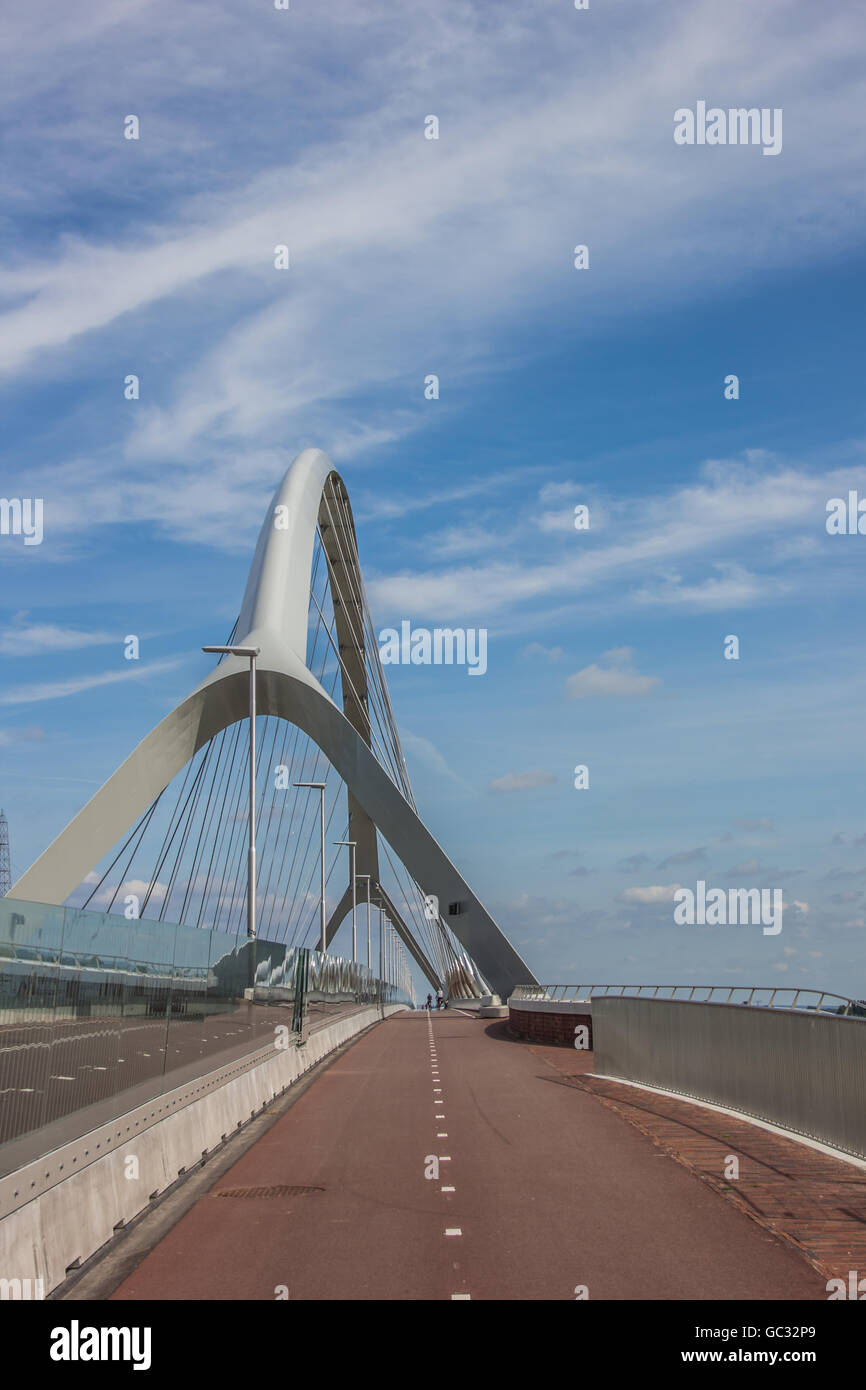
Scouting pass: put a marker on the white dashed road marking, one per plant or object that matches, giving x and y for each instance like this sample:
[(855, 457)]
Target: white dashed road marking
[(450, 1231)]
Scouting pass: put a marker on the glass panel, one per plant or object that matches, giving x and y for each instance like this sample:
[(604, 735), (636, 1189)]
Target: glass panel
[(99, 1014)]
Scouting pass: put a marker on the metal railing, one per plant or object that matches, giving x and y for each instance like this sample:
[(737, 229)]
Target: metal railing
[(759, 996), (802, 1069)]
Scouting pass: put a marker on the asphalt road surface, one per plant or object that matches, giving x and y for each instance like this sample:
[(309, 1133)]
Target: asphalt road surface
[(538, 1191)]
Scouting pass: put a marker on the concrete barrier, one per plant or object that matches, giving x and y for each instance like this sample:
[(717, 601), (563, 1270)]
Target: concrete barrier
[(60, 1210), (485, 1006), (552, 1021)]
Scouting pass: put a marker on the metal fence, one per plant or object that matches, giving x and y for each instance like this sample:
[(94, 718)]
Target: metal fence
[(803, 1069), (760, 996), (96, 1009)]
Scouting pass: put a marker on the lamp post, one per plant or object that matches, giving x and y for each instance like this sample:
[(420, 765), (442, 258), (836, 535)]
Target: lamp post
[(369, 951), (320, 787), (381, 963), (352, 844), (252, 653)]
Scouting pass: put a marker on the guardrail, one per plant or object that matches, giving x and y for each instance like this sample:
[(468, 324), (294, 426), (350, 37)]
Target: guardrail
[(759, 996), (802, 1069)]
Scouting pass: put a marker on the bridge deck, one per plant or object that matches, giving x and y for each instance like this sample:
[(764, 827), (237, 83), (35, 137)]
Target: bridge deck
[(551, 1190)]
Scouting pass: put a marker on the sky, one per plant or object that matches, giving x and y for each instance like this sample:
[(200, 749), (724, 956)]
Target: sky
[(559, 387)]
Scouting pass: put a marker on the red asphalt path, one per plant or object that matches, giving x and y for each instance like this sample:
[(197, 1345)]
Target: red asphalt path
[(551, 1191)]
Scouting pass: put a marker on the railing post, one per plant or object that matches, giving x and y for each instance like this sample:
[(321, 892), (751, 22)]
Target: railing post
[(302, 972)]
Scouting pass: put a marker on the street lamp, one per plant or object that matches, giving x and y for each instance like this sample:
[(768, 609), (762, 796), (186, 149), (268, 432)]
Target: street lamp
[(320, 786), (381, 963), (352, 844), (252, 653), (369, 952)]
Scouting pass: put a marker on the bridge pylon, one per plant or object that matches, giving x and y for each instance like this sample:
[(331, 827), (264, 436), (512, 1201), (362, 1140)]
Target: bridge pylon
[(311, 504)]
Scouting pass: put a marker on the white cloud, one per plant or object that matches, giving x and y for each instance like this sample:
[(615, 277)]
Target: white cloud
[(552, 654), (654, 893), (521, 781), (137, 887), (615, 678)]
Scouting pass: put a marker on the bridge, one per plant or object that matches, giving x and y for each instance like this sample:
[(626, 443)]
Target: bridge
[(209, 1030)]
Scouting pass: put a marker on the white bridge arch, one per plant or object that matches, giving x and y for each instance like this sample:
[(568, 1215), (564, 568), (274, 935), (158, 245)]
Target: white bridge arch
[(274, 618)]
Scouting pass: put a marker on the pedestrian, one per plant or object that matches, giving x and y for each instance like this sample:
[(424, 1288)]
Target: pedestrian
[(439, 999)]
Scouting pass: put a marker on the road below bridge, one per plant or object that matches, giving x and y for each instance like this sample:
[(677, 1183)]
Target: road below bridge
[(538, 1190)]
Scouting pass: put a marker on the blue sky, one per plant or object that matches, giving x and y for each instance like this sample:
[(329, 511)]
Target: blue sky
[(557, 387)]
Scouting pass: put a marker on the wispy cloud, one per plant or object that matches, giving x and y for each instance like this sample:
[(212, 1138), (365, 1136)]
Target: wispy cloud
[(734, 588), (684, 856), (427, 753), (735, 507), (9, 738), (76, 685), (394, 504), (633, 863), (521, 781), (34, 639)]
